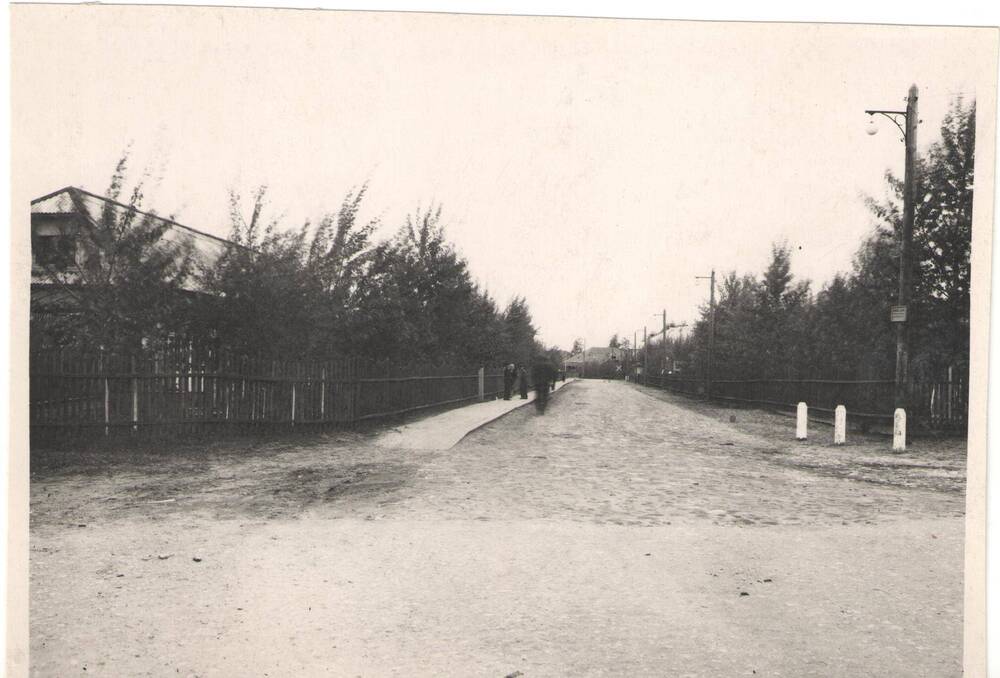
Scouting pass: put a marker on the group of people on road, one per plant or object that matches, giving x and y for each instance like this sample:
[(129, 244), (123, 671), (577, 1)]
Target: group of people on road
[(544, 375)]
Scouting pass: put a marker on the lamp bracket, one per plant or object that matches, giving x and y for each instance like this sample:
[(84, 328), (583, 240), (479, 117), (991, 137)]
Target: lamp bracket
[(898, 119)]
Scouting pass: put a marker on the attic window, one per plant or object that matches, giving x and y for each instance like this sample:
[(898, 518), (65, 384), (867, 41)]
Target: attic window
[(52, 250)]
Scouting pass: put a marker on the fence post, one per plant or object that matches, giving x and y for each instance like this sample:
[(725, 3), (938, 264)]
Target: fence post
[(135, 397), (322, 394), (801, 421), (950, 393), (293, 401), (899, 430), (355, 390), (107, 408), (482, 384), (840, 425), (107, 403)]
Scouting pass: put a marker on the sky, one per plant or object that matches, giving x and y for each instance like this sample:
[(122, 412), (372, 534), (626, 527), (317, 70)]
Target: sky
[(593, 166)]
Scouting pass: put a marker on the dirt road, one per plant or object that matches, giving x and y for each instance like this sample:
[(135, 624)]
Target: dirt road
[(623, 533)]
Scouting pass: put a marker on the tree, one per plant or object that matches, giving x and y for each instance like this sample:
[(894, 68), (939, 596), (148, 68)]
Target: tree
[(338, 257), (418, 302), (777, 276), (760, 325), (780, 319), (520, 331), (281, 294), (773, 327), (258, 301), (942, 240), (850, 336), (124, 283), (737, 351), (314, 292), (614, 341)]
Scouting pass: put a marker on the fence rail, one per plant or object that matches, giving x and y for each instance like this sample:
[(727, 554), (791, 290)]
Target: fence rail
[(194, 390), (939, 405)]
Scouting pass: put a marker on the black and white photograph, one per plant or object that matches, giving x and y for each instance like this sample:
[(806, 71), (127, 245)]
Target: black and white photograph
[(385, 343)]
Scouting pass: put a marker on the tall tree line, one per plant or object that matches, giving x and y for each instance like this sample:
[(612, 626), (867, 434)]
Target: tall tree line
[(774, 326), (324, 290)]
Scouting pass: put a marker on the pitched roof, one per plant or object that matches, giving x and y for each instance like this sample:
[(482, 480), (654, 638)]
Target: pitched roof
[(206, 248), (595, 354)]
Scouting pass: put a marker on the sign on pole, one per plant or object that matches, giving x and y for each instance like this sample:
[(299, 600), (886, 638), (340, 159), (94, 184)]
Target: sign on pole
[(897, 314)]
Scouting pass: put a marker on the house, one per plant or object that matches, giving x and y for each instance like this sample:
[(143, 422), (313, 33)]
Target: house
[(597, 355), (60, 247), (57, 218)]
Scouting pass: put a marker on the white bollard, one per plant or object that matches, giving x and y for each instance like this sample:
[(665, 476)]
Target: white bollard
[(801, 421), (899, 430), (839, 425)]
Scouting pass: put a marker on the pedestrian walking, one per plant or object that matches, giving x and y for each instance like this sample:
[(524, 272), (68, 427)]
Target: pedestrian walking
[(544, 375), (522, 381), (509, 374)]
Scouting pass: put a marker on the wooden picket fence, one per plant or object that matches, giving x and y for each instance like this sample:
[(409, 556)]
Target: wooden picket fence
[(191, 390), (941, 405)]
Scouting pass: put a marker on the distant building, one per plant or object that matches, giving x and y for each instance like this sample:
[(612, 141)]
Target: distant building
[(597, 355)]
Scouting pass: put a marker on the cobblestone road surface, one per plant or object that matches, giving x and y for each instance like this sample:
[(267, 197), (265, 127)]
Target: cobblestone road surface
[(623, 533)]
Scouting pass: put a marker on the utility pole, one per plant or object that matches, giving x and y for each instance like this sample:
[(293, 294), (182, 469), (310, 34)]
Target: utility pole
[(669, 326), (645, 355), (900, 312), (906, 249), (663, 342), (711, 336)]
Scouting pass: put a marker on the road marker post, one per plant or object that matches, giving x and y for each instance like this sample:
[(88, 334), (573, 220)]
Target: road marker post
[(802, 422), (839, 425), (899, 430)]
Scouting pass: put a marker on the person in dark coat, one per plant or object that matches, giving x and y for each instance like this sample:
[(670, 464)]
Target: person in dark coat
[(543, 373), (522, 381), (509, 373)]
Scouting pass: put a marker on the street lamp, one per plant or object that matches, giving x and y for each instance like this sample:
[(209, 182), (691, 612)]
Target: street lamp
[(906, 121)]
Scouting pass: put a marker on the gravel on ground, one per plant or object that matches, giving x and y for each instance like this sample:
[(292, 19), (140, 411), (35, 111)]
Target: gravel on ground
[(624, 532)]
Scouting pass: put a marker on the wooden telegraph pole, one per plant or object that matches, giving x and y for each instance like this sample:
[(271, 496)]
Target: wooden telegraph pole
[(900, 312), (711, 336), (906, 250), (663, 342), (645, 355)]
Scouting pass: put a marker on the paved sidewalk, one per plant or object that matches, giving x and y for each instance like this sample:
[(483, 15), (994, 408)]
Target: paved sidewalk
[(444, 431)]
